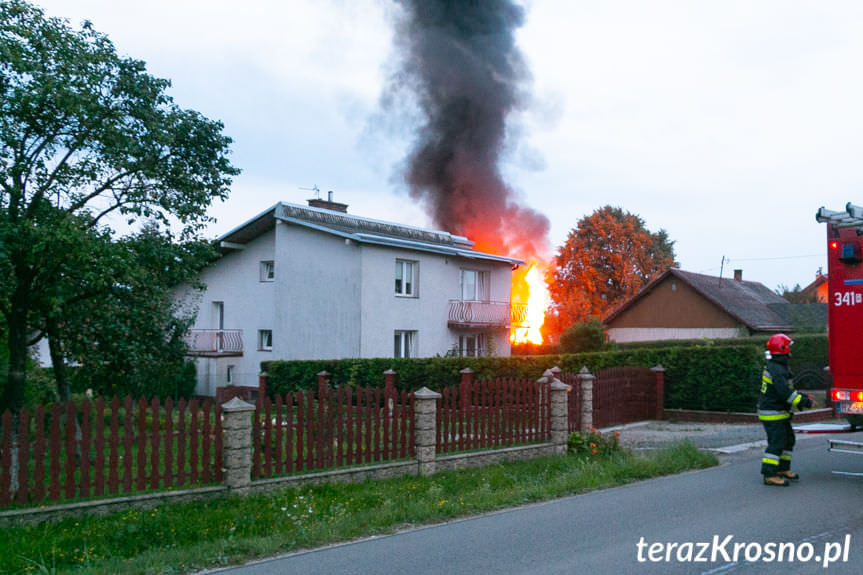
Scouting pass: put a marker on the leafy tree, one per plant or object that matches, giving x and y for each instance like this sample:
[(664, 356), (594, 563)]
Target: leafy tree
[(131, 339), (85, 135), (584, 336), (607, 258)]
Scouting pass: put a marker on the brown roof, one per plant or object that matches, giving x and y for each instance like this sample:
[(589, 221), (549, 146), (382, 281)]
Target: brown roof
[(751, 303)]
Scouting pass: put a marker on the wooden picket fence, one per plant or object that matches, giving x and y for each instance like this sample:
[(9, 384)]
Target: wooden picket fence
[(302, 431), (491, 414), (94, 449), (100, 449)]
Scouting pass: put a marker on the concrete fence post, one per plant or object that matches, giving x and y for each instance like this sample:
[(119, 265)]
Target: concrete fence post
[(660, 391), (559, 411), (425, 424), (586, 380), (237, 445)]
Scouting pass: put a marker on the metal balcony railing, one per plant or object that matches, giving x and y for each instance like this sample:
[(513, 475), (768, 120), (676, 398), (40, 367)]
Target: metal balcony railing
[(486, 313), (215, 342)]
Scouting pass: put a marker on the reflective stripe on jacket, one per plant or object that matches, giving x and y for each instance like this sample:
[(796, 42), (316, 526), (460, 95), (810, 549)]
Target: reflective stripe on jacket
[(777, 392)]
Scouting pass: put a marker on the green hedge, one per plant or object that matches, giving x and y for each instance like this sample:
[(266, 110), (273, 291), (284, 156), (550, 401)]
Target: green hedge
[(708, 376)]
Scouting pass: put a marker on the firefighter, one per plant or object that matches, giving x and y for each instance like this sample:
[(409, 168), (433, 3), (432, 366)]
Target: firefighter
[(778, 397)]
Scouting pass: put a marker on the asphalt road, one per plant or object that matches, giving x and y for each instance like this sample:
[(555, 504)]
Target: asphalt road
[(688, 523)]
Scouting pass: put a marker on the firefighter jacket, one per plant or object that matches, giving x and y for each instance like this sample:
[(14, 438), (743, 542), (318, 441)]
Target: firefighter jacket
[(777, 391)]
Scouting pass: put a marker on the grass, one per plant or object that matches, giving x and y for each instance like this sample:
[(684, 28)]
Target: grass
[(183, 538)]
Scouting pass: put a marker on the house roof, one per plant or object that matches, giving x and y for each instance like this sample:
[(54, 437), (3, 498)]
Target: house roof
[(358, 229), (750, 303), (813, 288)]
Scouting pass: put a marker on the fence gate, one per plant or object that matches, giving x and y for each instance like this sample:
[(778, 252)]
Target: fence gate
[(623, 395)]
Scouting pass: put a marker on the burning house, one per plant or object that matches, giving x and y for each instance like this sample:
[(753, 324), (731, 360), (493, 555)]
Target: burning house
[(314, 282), (460, 64)]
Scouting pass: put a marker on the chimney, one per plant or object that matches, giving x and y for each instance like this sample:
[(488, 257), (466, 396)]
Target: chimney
[(738, 275), (328, 204)]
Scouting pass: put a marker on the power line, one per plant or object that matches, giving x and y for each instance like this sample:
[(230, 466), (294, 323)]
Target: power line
[(727, 260), (777, 258)]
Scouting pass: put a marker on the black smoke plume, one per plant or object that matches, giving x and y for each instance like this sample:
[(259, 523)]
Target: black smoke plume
[(461, 63)]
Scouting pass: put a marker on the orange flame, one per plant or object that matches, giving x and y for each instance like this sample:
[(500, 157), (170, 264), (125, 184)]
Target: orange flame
[(529, 301)]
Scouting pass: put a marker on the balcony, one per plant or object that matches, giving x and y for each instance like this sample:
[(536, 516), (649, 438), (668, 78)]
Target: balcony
[(215, 342), (485, 314)]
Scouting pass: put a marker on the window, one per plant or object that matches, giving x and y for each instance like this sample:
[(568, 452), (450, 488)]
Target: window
[(473, 285), (218, 317), (406, 272), (404, 343), (268, 271), (230, 375), (472, 345), (265, 340)]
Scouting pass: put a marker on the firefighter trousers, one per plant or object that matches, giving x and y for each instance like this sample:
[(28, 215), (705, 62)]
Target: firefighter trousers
[(780, 444)]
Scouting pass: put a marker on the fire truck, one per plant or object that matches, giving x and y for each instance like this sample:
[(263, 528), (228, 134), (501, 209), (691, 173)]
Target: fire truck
[(845, 308)]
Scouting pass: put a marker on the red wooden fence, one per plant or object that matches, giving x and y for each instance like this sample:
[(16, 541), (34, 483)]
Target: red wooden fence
[(620, 395), (573, 400), (304, 431), (623, 395), (489, 414), (104, 448)]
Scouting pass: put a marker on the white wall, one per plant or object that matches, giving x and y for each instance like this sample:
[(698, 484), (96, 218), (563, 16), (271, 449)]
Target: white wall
[(318, 294), (628, 334), (383, 312), (235, 279)]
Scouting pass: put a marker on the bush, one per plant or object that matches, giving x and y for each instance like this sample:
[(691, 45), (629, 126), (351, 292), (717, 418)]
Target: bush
[(593, 444), (435, 373), (172, 377), (705, 375), (583, 336)]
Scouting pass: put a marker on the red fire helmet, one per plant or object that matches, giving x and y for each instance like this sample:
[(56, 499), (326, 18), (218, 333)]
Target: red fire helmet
[(779, 344)]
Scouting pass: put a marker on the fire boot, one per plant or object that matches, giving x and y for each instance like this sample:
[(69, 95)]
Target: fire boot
[(788, 474), (775, 480)]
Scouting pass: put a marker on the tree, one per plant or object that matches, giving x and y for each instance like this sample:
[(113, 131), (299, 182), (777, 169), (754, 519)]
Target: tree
[(132, 338), (85, 135), (606, 259)]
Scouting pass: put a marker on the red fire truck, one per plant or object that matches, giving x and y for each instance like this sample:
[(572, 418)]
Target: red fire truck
[(845, 308)]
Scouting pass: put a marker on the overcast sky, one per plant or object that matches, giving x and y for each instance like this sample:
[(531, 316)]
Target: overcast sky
[(726, 123)]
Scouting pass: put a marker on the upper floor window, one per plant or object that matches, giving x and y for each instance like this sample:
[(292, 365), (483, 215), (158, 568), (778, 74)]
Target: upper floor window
[(268, 271), (406, 275), (473, 285), (405, 342), (265, 339)]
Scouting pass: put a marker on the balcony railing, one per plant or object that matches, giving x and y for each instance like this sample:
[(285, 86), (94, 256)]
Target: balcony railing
[(215, 342), (486, 313)]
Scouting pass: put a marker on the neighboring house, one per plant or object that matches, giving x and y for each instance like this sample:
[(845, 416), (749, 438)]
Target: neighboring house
[(314, 282), (685, 305), (817, 290)]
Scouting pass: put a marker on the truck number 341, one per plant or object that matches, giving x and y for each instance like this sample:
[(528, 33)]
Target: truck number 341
[(847, 298)]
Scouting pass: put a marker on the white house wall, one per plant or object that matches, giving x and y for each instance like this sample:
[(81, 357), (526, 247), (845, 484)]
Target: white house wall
[(632, 334), (437, 282), (248, 303), (318, 283), (383, 312)]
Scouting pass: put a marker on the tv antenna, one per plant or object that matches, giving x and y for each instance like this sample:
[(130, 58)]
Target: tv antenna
[(315, 189)]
